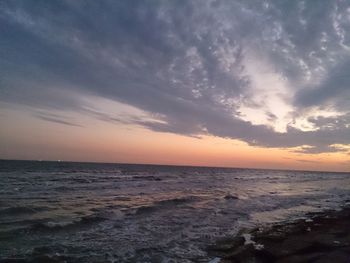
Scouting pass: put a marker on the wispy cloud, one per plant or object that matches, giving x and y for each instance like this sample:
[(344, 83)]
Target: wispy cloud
[(56, 119)]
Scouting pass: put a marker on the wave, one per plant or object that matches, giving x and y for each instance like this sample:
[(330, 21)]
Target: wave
[(58, 226), (164, 204), (38, 257), (20, 210), (146, 178)]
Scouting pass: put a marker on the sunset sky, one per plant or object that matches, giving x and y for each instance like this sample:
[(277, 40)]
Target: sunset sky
[(245, 83)]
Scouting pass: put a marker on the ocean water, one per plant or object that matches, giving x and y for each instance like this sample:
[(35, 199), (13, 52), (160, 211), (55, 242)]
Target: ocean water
[(88, 212)]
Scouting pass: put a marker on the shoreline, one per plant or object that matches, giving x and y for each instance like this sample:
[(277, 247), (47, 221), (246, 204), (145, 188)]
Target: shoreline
[(319, 237), (322, 237)]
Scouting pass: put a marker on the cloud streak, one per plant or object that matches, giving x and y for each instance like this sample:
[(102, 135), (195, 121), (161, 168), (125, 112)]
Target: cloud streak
[(56, 119)]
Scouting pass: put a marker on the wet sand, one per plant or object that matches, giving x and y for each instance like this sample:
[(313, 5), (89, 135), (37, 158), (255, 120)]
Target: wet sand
[(323, 237)]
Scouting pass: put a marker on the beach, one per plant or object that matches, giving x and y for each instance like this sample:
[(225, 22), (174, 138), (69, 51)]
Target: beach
[(321, 237)]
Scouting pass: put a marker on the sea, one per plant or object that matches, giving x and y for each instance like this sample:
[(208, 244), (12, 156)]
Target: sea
[(99, 212)]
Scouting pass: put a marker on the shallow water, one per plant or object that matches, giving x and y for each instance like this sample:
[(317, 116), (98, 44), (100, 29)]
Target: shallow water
[(90, 212)]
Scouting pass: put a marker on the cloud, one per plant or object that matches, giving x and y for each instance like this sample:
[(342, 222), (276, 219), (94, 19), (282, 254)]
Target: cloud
[(187, 62), (56, 119), (320, 149), (335, 89), (307, 161)]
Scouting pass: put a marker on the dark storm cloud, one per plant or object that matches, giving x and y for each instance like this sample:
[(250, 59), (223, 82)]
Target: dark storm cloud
[(183, 61)]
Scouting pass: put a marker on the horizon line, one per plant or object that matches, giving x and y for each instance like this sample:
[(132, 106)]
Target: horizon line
[(174, 165)]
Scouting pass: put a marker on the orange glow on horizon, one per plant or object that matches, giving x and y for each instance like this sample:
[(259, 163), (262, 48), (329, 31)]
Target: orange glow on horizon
[(100, 141)]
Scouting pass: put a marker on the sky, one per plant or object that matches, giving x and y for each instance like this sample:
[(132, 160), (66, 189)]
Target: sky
[(237, 83)]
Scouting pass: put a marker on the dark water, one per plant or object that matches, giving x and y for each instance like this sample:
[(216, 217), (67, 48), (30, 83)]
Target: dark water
[(86, 212)]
